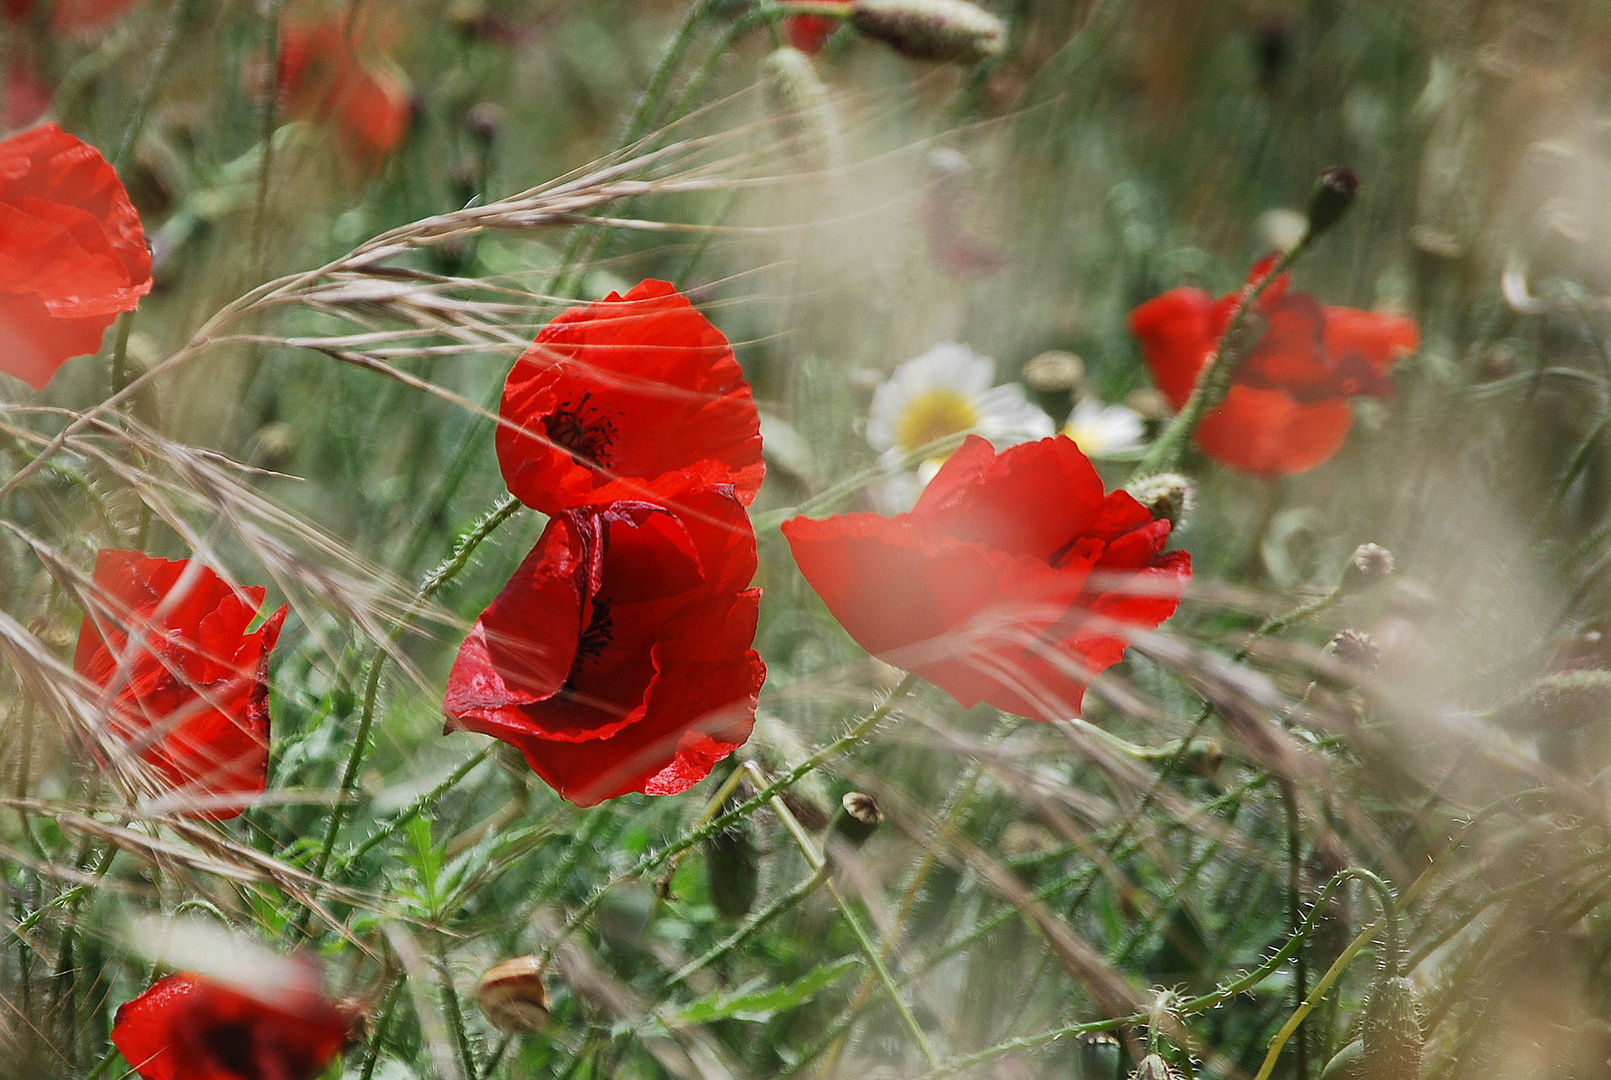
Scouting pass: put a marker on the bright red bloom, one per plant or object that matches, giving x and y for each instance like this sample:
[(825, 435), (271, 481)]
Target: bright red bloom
[(73, 16), (72, 253), (809, 33), (627, 394), (190, 1027), (323, 77), (1287, 410), (1012, 581), (186, 683), (618, 657)]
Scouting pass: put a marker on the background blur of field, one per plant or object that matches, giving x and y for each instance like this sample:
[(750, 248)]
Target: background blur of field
[(1117, 149)]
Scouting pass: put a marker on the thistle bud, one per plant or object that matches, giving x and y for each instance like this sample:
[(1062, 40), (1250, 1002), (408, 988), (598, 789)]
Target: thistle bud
[(1391, 1031), (733, 870), (1354, 649), (512, 995), (1166, 496), (931, 29), (802, 116), (1054, 371), (1333, 195), (1370, 564), (1154, 1067), (858, 817)]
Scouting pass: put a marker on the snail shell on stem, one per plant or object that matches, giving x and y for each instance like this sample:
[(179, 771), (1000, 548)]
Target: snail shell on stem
[(511, 995)]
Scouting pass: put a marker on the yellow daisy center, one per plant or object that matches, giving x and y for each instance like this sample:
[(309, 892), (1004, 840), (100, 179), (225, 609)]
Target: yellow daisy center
[(932, 415)]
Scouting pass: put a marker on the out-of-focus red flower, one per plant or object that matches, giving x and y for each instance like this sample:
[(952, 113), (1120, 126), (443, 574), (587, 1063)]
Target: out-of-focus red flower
[(28, 96), (618, 657), (190, 1027), (73, 17), (187, 684), (1013, 581), (72, 252), (1287, 409), (809, 33), (323, 76), (625, 393)]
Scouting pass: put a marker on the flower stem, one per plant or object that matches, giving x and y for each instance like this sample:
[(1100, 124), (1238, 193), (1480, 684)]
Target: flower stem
[(1215, 378)]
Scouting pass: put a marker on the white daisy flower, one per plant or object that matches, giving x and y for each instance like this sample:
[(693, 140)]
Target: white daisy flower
[(946, 391), (1099, 429)]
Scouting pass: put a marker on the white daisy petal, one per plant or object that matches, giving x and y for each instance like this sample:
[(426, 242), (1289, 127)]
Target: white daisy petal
[(1104, 429)]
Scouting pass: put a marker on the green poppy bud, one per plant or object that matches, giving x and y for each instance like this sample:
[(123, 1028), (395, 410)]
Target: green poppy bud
[(1391, 1031)]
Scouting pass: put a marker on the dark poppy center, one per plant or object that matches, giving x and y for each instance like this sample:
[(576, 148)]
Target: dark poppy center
[(231, 1045), (583, 430), (599, 633)]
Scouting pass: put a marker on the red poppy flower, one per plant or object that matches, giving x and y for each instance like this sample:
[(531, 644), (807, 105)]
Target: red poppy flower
[(74, 16), (190, 1027), (1011, 582), (1287, 409), (809, 33), (618, 657), (623, 395), (187, 684), (72, 253), (323, 77)]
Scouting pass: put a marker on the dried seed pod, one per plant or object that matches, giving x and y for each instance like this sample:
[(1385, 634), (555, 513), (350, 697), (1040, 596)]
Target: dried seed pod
[(859, 816), (1166, 496), (1154, 1067), (931, 29), (733, 870), (802, 115), (1055, 371), (511, 995), (1354, 649), (1391, 1031)]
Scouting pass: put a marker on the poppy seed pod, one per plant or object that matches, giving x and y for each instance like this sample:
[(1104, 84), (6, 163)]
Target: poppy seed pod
[(931, 29), (802, 115), (512, 996), (858, 817), (1334, 193), (1391, 1031), (1055, 371), (1354, 649)]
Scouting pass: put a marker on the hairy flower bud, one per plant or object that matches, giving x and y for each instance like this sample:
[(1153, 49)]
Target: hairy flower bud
[(802, 116), (1154, 1067), (1370, 564), (1391, 1031), (512, 996), (1166, 496), (1347, 1063), (733, 870), (931, 29), (1333, 195)]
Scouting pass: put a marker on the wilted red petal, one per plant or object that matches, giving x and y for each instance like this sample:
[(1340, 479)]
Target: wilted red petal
[(190, 691), (625, 393), (72, 252), (188, 1027), (617, 657), (972, 589)]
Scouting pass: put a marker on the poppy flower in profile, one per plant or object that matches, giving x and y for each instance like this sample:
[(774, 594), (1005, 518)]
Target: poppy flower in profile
[(186, 683), (625, 394), (618, 658), (809, 33), (1014, 581), (72, 252), (1287, 409), (324, 76), (193, 1027)]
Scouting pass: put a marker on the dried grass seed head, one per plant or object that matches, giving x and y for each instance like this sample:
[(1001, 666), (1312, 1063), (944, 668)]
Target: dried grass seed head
[(952, 30)]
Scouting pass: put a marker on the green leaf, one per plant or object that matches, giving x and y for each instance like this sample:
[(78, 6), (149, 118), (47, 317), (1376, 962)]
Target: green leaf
[(763, 1005)]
